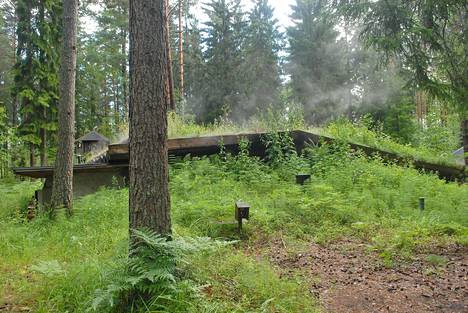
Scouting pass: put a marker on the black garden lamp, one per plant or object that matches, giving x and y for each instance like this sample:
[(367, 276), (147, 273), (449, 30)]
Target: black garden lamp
[(241, 212), (302, 178)]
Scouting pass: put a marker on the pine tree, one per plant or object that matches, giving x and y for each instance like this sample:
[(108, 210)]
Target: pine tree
[(62, 189), (181, 51), (149, 202), (316, 61), (170, 96)]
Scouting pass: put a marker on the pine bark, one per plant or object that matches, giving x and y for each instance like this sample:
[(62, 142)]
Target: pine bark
[(115, 91), (181, 52), (32, 155), (464, 131), (62, 190), (43, 87), (170, 76), (421, 106), (149, 199), (43, 155), (14, 99), (123, 66)]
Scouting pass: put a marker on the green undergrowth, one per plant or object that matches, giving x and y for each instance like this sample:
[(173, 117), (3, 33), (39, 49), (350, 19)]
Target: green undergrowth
[(433, 144), (267, 120), (60, 266), (347, 195)]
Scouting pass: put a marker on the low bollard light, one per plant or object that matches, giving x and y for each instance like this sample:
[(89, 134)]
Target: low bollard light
[(422, 204), (302, 178), (242, 211)]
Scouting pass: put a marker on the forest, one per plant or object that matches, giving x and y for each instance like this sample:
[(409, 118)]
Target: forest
[(233, 156)]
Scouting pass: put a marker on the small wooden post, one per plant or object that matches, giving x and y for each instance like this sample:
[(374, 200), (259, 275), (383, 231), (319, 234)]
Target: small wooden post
[(241, 212)]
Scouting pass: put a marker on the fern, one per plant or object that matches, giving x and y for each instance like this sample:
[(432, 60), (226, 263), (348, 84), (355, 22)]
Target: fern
[(151, 270), (48, 268)]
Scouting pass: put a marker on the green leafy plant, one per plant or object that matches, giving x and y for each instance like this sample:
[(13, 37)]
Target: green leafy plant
[(152, 271), (242, 165), (427, 143), (279, 148), (48, 268)]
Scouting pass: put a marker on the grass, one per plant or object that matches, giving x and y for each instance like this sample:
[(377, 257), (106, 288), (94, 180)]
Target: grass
[(360, 134), (78, 249), (57, 266), (437, 149)]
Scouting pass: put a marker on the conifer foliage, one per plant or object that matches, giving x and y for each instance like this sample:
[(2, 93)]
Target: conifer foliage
[(36, 71), (316, 60), (223, 56)]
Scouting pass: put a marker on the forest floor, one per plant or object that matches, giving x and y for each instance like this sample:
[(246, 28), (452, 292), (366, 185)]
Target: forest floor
[(348, 277)]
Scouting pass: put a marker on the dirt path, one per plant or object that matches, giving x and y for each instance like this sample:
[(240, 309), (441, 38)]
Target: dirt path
[(347, 278)]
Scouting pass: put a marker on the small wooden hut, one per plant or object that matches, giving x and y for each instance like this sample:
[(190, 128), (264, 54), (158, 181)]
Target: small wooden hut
[(91, 142)]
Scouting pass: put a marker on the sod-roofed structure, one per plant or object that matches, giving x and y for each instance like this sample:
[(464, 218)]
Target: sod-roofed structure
[(113, 168)]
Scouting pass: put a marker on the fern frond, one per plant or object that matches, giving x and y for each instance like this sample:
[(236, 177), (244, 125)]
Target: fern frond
[(152, 267)]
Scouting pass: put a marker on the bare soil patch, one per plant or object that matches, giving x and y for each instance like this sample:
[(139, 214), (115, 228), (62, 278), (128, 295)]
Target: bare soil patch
[(349, 278)]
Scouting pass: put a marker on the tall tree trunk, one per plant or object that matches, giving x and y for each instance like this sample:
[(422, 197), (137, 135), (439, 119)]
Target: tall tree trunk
[(421, 106), (43, 88), (14, 98), (43, 137), (14, 45), (43, 147), (115, 91), (464, 132), (14, 114), (124, 72), (105, 104), (62, 190), (32, 155), (170, 78), (148, 190), (350, 83), (181, 52), (28, 116)]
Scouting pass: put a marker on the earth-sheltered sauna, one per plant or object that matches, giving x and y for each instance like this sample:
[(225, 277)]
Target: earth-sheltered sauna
[(112, 168)]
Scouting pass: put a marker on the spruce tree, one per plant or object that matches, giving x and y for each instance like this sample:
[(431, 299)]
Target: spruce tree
[(102, 78), (194, 74), (262, 62), (224, 36), (90, 88), (36, 82), (428, 37), (316, 61), (113, 31), (8, 59)]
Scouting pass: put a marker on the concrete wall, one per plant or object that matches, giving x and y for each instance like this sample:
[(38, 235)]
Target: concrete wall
[(87, 183)]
